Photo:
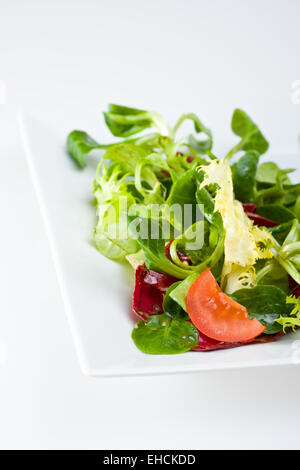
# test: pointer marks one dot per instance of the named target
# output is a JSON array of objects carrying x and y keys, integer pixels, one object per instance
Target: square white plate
[{"x": 96, "y": 291}]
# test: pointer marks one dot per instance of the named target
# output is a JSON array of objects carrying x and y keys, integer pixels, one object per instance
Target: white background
[{"x": 171, "y": 56}]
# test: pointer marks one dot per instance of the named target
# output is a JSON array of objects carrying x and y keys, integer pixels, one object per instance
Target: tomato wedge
[{"x": 217, "y": 315}]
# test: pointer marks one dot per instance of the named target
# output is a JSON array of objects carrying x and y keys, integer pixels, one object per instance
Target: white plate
[{"x": 96, "y": 291}]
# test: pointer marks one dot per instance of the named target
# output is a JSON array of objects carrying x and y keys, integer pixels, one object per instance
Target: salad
[{"x": 214, "y": 241}]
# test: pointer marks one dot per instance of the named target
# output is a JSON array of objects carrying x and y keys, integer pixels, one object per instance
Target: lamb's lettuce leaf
[
  {"x": 79, "y": 143},
  {"x": 276, "y": 212},
  {"x": 275, "y": 187},
  {"x": 251, "y": 137},
  {"x": 280, "y": 232},
  {"x": 179, "y": 293},
  {"x": 244, "y": 177},
  {"x": 161, "y": 334},
  {"x": 271, "y": 273},
  {"x": 296, "y": 208},
  {"x": 266, "y": 304},
  {"x": 184, "y": 189},
  {"x": 143, "y": 228},
  {"x": 268, "y": 173},
  {"x": 203, "y": 145},
  {"x": 123, "y": 121},
  {"x": 288, "y": 254},
  {"x": 172, "y": 308}
]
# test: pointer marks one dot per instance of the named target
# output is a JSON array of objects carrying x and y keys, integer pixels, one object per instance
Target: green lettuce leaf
[
  {"x": 251, "y": 137},
  {"x": 126, "y": 155},
  {"x": 276, "y": 212},
  {"x": 164, "y": 335},
  {"x": 288, "y": 254},
  {"x": 113, "y": 197},
  {"x": 123, "y": 121},
  {"x": 171, "y": 307},
  {"x": 79, "y": 144},
  {"x": 201, "y": 146},
  {"x": 244, "y": 177},
  {"x": 266, "y": 304},
  {"x": 179, "y": 293},
  {"x": 268, "y": 173}
]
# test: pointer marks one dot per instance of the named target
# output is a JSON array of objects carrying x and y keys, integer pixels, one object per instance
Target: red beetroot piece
[{"x": 150, "y": 287}]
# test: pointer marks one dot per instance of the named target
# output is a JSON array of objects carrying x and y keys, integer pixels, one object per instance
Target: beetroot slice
[
  {"x": 209, "y": 344},
  {"x": 250, "y": 207},
  {"x": 261, "y": 221},
  {"x": 294, "y": 287},
  {"x": 148, "y": 295},
  {"x": 258, "y": 220}
]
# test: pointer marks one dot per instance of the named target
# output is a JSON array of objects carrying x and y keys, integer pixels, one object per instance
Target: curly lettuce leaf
[
  {"x": 126, "y": 155},
  {"x": 244, "y": 243},
  {"x": 293, "y": 321},
  {"x": 113, "y": 197}
]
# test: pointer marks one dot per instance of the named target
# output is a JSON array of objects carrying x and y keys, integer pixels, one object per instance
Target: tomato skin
[{"x": 218, "y": 316}]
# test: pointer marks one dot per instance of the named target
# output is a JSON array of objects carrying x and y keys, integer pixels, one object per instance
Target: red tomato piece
[{"x": 218, "y": 316}]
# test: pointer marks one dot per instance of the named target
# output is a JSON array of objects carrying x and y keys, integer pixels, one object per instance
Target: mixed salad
[{"x": 214, "y": 242}]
